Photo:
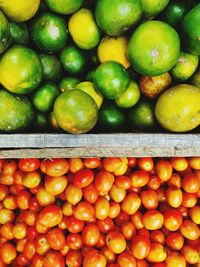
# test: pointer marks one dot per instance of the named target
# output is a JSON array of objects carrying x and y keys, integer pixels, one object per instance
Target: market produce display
[
  {"x": 100, "y": 66},
  {"x": 93, "y": 212}
]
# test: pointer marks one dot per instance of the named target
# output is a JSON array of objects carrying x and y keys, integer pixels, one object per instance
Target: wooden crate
[{"x": 98, "y": 145}]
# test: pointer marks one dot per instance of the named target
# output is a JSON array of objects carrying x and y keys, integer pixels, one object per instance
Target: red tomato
[
  {"x": 50, "y": 216},
  {"x": 32, "y": 233},
  {"x": 137, "y": 220},
  {"x": 175, "y": 241},
  {"x": 102, "y": 208},
  {"x": 175, "y": 259},
  {"x": 4, "y": 191},
  {"x": 190, "y": 230},
  {"x": 190, "y": 183},
  {"x": 140, "y": 246},
  {"x": 116, "y": 242},
  {"x": 110, "y": 256},
  {"x": 29, "y": 249},
  {"x": 128, "y": 230},
  {"x": 56, "y": 239},
  {"x": 163, "y": 169},
  {"x": 90, "y": 235},
  {"x": 8, "y": 253},
  {"x": 6, "y": 231},
  {"x": 92, "y": 163},
  {"x": 154, "y": 182},
  {"x": 157, "y": 253},
  {"x": 83, "y": 178},
  {"x": 74, "y": 225},
  {"x": 131, "y": 203},
  {"x": 29, "y": 165},
  {"x": 41, "y": 244},
  {"x": 75, "y": 165},
  {"x": 157, "y": 236},
  {"x": 90, "y": 193},
  {"x": 101, "y": 242},
  {"x": 84, "y": 211},
  {"x": 132, "y": 162},
  {"x": 139, "y": 178},
  {"x": 38, "y": 260},
  {"x": 123, "y": 182},
  {"x": 174, "y": 181},
  {"x": 149, "y": 199},
  {"x": 22, "y": 199},
  {"x": 153, "y": 220},
  {"x": 125, "y": 259},
  {"x": 103, "y": 181},
  {"x": 172, "y": 219},
  {"x": 146, "y": 164},
  {"x": 190, "y": 254},
  {"x": 9, "y": 167},
  {"x": 106, "y": 225},
  {"x": 54, "y": 167},
  {"x": 54, "y": 259},
  {"x": 74, "y": 241},
  {"x": 174, "y": 197},
  {"x": 74, "y": 258},
  {"x": 144, "y": 231},
  {"x": 94, "y": 258},
  {"x": 141, "y": 263}
]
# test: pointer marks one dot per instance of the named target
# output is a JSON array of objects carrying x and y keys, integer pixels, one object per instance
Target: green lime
[
  {"x": 196, "y": 78},
  {"x": 64, "y": 7},
  {"x": 49, "y": 32},
  {"x": 151, "y": 8},
  {"x": 142, "y": 116},
  {"x": 73, "y": 60},
  {"x": 21, "y": 70},
  {"x": 111, "y": 79},
  {"x": 41, "y": 121},
  {"x": 19, "y": 33},
  {"x": 130, "y": 97},
  {"x": 16, "y": 112},
  {"x": 52, "y": 68},
  {"x": 4, "y": 33},
  {"x": 116, "y": 16},
  {"x": 175, "y": 11},
  {"x": 91, "y": 75},
  {"x": 190, "y": 31},
  {"x": 111, "y": 117},
  {"x": 44, "y": 97},
  {"x": 154, "y": 48},
  {"x": 76, "y": 111},
  {"x": 185, "y": 67},
  {"x": 68, "y": 83}
]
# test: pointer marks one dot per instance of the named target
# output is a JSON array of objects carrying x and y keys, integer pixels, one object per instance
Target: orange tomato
[
  {"x": 31, "y": 179},
  {"x": 190, "y": 183},
  {"x": 125, "y": 259},
  {"x": 20, "y": 230},
  {"x": 174, "y": 181},
  {"x": 132, "y": 162},
  {"x": 41, "y": 244},
  {"x": 163, "y": 169},
  {"x": 4, "y": 191},
  {"x": 9, "y": 167},
  {"x": 84, "y": 211},
  {"x": 56, "y": 239},
  {"x": 50, "y": 216},
  {"x": 110, "y": 256},
  {"x": 190, "y": 230},
  {"x": 73, "y": 194},
  {"x": 6, "y": 231},
  {"x": 194, "y": 163},
  {"x": 175, "y": 259},
  {"x": 94, "y": 258},
  {"x": 140, "y": 246},
  {"x": 189, "y": 200},
  {"x": 131, "y": 203},
  {"x": 114, "y": 209},
  {"x": 74, "y": 258},
  {"x": 83, "y": 178},
  {"x": 54, "y": 167},
  {"x": 90, "y": 235},
  {"x": 172, "y": 219},
  {"x": 157, "y": 253},
  {"x": 74, "y": 225},
  {"x": 139, "y": 178},
  {"x": 117, "y": 194},
  {"x": 179, "y": 163},
  {"x": 190, "y": 254},
  {"x": 161, "y": 192},
  {"x": 92, "y": 163},
  {"x": 29, "y": 165},
  {"x": 141, "y": 263},
  {"x": 123, "y": 182},
  {"x": 154, "y": 182},
  {"x": 153, "y": 220},
  {"x": 103, "y": 181},
  {"x": 90, "y": 193},
  {"x": 44, "y": 198},
  {"x": 149, "y": 199},
  {"x": 9, "y": 202},
  {"x": 102, "y": 241},
  {"x": 6, "y": 216},
  {"x": 111, "y": 164},
  {"x": 128, "y": 230},
  {"x": 174, "y": 197},
  {"x": 38, "y": 260},
  {"x": 175, "y": 241},
  {"x": 157, "y": 236},
  {"x": 29, "y": 249},
  {"x": 102, "y": 208},
  {"x": 116, "y": 242},
  {"x": 67, "y": 209},
  {"x": 8, "y": 253},
  {"x": 123, "y": 167},
  {"x": 137, "y": 220},
  {"x": 146, "y": 164},
  {"x": 55, "y": 185},
  {"x": 74, "y": 241},
  {"x": 22, "y": 199},
  {"x": 195, "y": 214},
  {"x": 54, "y": 259},
  {"x": 106, "y": 225},
  {"x": 75, "y": 165}
]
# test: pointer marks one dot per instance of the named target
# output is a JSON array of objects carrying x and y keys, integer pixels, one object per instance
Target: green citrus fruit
[
  {"x": 175, "y": 11},
  {"x": 76, "y": 111},
  {"x": 178, "y": 108},
  {"x": 196, "y": 78},
  {"x": 116, "y": 16},
  {"x": 64, "y": 7},
  {"x": 73, "y": 60},
  {"x": 19, "y": 33},
  {"x": 111, "y": 117},
  {"x": 190, "y": 31},
  {"x": 111, "y": 79},
  {"x": 88, "y": 87},
  {"x": 52, "y": 68},
  {"x": 21, "y": 70},
  {"x": 41, "y": 121},
  {"x": 16, "y": 112},
  {"x": 44, "y": 97},
  {"x": 49, "y": 32},
  {"x": 90, "y": 75},
  {"x": 68, "y": 83},
  {"x": 83, "y": 29},
  {"x": 151, "y": 8},
  {"x": 53, "y": 123},
  {"x": 154, "y": 48},
  {"x": 185, "y": 67},
  {"x": 142, "y": 116},
  {"x": 130, "y": 97},
  {"x": 4, "y": 33}
]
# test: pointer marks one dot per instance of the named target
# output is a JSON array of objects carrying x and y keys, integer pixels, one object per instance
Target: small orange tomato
[
  {"x": 116, "y": 242},
  {"x": 56, "y": 239},
  {"x": 139, "y": 178},
  {"x": 83, "y": 178},
  {"x": 67, "y": 209},
  {"x": 38, "y": 260},
  {"x": 153, "y": 220},
  {"x": 6, "y": 231},
  {"x": 175, "y": 259},
  {"x": 84, "y": 211},
  {"x": 20, "y": 245},
  {"x": 110, "y": 256},
  {"x": 114, "y": 209},
  {"x": 131, "y": 203},
  {"x": 146, "y": 164},
  {"x": 149, "y": 199},
  {"x": 194, "y": 163},
  {"x": 161, "y": 192},
  {"x": 30, "y": 217},
  {"x": 175, "y": 241},
  {"x": 174, "y": 181},
  {"x": 90, "y": 235},
  {"x": 9, "y": 167},
  {"x": 74, "y": 241},
  {"x": 103, "y": 181},
  {"x": 144, "y": 231},
  {"x": 4, "y": 191},
  {"x": 20, "y": 230},
  {"x": 92, "y": 163},
  {"x": 54, "y": 259},
  {"x": 126, "y": 259},
  {"x": 174, "y": 197},
  {"x": 172, "y": 219},
  {"x": 22, "y": 199},
  {"x": 9, "y": 202},
  {"x": 73, "y": 194},
  {"x": 102, "y": 208},
  {"x": 141, "y": 263},
  {"x": 29, "y": 249},
  {"x": 117, "y": 194},
  {"x": 7, "y": 179},
  {"x": 102, "y": 241},
  {"x": 44, "y": 198},
  {"x": 40, "y": 228},
  {"x": 106, "y": 225},
  {"x": 195, "y": 214},
  {"x": 189, "y": 200},
  {"x": 111, "y": 164},
  {"x": 8, "y": 253},
  {"x": 41, "y": 244},
  {"x": 90, "y": 193},
  {"x": 190, "y": 183},
  {"x": 94, "y": 258},
  {"x": 184, "y": 211},
  {"x": 154, "y": 182},
  {"x": 190, "y": 254},
  {"x": 123, "y": 182},
  {"x": 31, "y": 179},
  {"x": 74, "y": 225},
  {"x": 179, "y": 163},
  {"x": 55, "y": 185},
  {"x": 74, "y": 258},
  {"x": 137, "y": 220},
  {"x": 157, "y": 253},
  {"x": 128, "y": 230},
  {"x": 157, "y": 236},
  {"x": 190, "y": 230},
  {"x": 50, "y": 216},
  {"x": 6, "y": 216},
  {"x": 123, "y": 167},
  {"x": 29, "y": 165},
  {"x": 75, "y": 165},
  {"x": 163, "y": 169},
  {"x": 54, "y": 167},
  {"x": 140, "y": 246}
]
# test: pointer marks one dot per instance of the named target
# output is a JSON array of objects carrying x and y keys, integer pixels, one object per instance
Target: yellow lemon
[
  {"x": 114, "y": 49},
  {"x": 83, "y": 29},
  {"x": 19, "y": 10}
]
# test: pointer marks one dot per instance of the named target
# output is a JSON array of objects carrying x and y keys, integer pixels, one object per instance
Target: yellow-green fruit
[
  {"x": 114, "y": 49},
  {"x": 88, "y": 87},
  {"x": 130, "y": 97},
  {"x": 19, "y": 10},
  {"x": 178, "y": 108},
  {"x": 83, "y": 29},
  {"x": 196, "y": 78}
]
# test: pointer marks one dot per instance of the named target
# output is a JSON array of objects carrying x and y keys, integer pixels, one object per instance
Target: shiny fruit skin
[
  {"x": 131, "y": 203},
  {"x": 126, "y": 259},
  {"x": 116, "y": 242},
  {"x": 94, "y": 259},
  {"x": 90, "y": 235},
  {"x": 140, "y": 246},
  {"x": 139, "y": 178},
  {"x": 83, "y": 178},
  {"x": 175, "y": 259},
  {"x": 153, "y": 220},
  {"x": 149, "y": 199},
  {"x": 190, "y": 230}
]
